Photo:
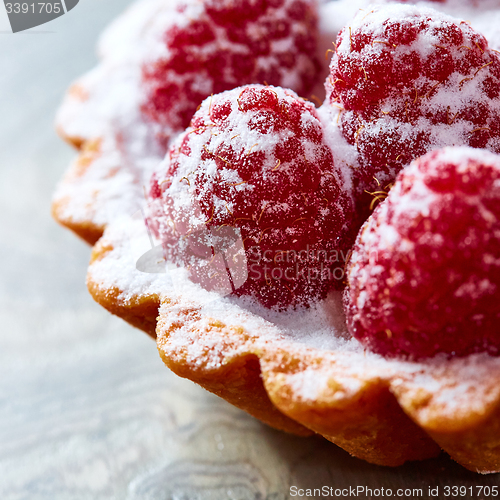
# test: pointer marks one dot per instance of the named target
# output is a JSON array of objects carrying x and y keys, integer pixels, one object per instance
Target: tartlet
[{"x": 298, "y": 370}]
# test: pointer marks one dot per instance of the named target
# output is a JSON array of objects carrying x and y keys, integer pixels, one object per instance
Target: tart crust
[
  {"x": 63, "y": 210},
  {"x": 369, "y": 424}
]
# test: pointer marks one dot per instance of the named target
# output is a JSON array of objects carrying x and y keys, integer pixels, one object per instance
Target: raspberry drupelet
[
  {"x": 407, "y": 80},
  {"x": 217, "y": 45},
  {"x": 424, "y": 277},
  {"x": 254, "y": 159}
]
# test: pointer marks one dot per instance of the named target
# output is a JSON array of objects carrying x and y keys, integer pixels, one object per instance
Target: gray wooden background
[{"x": 87, "y": 409}]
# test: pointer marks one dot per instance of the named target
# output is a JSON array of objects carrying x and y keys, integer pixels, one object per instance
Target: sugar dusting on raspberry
[
  {"x": 254, "y": 158},
  {"x": 408, "y": 79},
  {"x": 216, "y": 45},
  {"x": 425, "y": 271}
]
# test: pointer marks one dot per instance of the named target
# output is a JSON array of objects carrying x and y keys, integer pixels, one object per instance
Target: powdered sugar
[{"x": 483, "y": 15}]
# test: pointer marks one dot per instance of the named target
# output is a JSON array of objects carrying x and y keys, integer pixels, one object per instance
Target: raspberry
[
  {"x": 216, "y": 45},
  {"x": 425, "y": 271},
  {"x": 254, "y": 159},
  {"x": 408, "y": 80}
]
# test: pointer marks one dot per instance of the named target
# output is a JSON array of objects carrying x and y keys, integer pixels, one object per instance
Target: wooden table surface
[{"x": 87, "y": 409}]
